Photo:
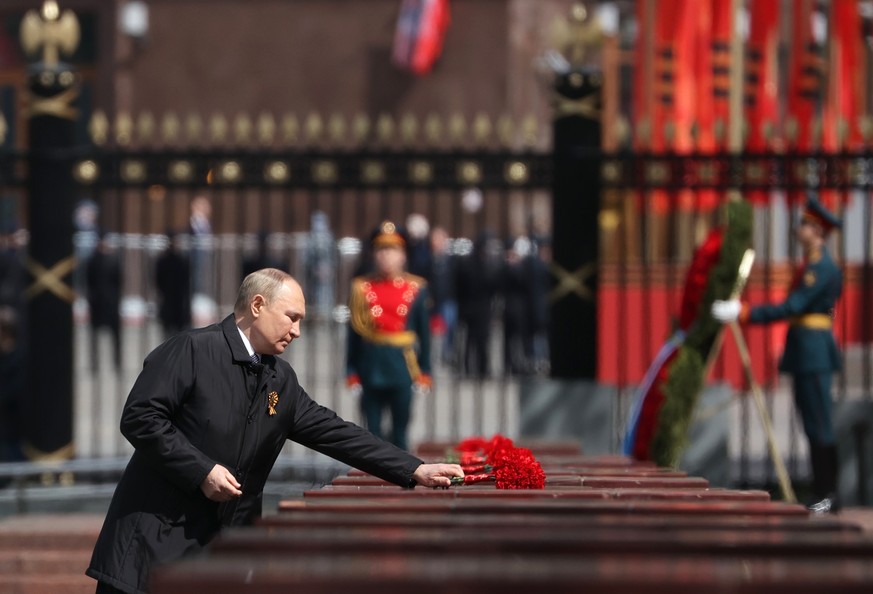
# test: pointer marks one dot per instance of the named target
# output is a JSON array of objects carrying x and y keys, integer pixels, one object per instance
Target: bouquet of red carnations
[{"x": 500, "y": 461}]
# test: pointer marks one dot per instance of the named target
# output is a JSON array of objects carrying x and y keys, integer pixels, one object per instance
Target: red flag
[
  {"x": 720, "y": 59},
  {"x": 761, "y": 78},
  {"x": 845, "y": 92},
  {"x": 712, "y": 59},
  {"x": 675, "y": 87},
  {"x": 845, "y": 101},
  {"x": 804, "y": 76},
  {"x": 421, "y": 29}
]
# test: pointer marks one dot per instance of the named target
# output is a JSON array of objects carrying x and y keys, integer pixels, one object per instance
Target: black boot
[{"x": 824, "y": 478}]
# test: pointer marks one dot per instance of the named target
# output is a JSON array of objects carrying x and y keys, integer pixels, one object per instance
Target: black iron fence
[{"x": 234, "y": 202}]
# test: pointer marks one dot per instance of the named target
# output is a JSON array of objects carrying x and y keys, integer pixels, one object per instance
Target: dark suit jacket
[{"x": 198, "y": 402}]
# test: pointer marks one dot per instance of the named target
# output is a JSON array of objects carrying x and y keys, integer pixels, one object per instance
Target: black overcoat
[{"x": 199, "y": 401}]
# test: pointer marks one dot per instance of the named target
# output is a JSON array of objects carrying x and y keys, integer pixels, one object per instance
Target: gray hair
[{"x": 266, "y": 282}]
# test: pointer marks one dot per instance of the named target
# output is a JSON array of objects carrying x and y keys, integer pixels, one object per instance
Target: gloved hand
[
  {"x": 353, "y": 383},
  {"x": 423, "y": 384},
  {"x": 726, "y": 311}
]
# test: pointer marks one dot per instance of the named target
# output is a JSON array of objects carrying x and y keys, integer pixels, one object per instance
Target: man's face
[
  {"x": 277, "y": 322},
  {"x": 808, "y": 232},
  {"x": 389, "y": 260}
]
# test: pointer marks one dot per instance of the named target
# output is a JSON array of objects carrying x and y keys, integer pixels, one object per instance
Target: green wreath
[{"x": 685, "y": 378}]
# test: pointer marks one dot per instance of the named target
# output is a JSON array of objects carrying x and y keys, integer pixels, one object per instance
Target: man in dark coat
[
  {"x": 104, "y": 276},
  {"x": 811, "y": 355},
  {"x": 173, "y": 282},
  {"x": 208, "y": 420}
]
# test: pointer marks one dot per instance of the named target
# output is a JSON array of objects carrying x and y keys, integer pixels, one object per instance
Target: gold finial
[
  {"x": 574, "y": 36},
  {"x": 145, "y": 126},
  {"x": 719, "y": 129},
  {"x": 408, "y": 128},
  {"x": 336, "y": 128},
  {"x": 290, "y": 129},
  {"x": 313, "y": 127},
  {"x": 481, "y": 128},
  {"x": 193, "y": 128},
  {"x": 170, "y": 128},
  {"x": 218, "y": 128},
  {"x": 505, "y": 130},
  {"x": 98, "y": 128},
  {"x": 694, "y": 132},
  {"x": 50, "y": 29},
  {"x": 792, "y": 129},
  {"x": 865, "y": 126},
  {"x": 123, "y": 129},
  {"x": 669, "y": 132},
  {"x": 644, "y": 132},
  {"x": 384, "y": 127},
  {"x": 266, "y": 126},
  {"x": 768, "y": 131},
  {"x": 842, "y": 131},
  {"x": 530, "y": 130},
  {"x": 457, "y": 128},
  {"x": 360, "y": 127},
  {"x": 815, "y": 131},
  {"x": 242, "y": 128},
  {"x": 622, "y": 130},
  {"x": 433, "y": 128}
]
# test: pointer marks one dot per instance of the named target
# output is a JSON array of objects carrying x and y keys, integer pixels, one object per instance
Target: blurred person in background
[
  {"x": 321, "y": 262},
  {"x": 13, "y": 273},
  {"x": 388, "y": 347},
  {"x": 12, "y": 382},
  {"x": 200, "y": 228},
  {"x": 260, "y": 258},
  {"x": 517, "y": 307},
  {"x": 539, "y": 285},
  {"x": 173, "y": 282},
  {"x": 104, "y": 279},
  {"x": 444, "y": 316},
  {"x": 477, "y": 284},
  {"x": 419, "y": 255}
]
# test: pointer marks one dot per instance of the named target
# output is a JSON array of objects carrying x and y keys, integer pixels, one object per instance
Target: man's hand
[
  {"x": 220, "y": 484},
  {"x": 436, "y": 475},
  {"x": 726, "y": 311}
]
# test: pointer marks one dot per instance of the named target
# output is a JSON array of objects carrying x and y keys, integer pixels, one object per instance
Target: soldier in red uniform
[{"x": 389, "y": 335}]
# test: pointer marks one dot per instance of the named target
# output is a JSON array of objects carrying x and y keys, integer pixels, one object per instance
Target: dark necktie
[{"x": 256, "y": 359}]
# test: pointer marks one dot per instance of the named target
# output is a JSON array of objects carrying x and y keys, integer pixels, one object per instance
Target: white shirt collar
[{"x": 246, "y": 342}]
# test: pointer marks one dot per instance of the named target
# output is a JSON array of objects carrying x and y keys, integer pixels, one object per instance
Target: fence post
[
  {"x": 47, "y": 426},
  {"x": 575, "y": 208}
]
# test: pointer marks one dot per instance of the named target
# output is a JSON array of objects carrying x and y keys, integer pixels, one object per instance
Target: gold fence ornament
[
  {"x": 170, "y": 128},
  {"x": 290, "y": 129},
  {"x": 266, "y": 129},
  {"x": 243, "y": 129},
  {"x": 52, "y": 30},
  {"x": 433, "y": 128},
  {"x": 58, "y": 106},
  {"x": 51, "y": 279},
  {"x": 572, "y": 282}
]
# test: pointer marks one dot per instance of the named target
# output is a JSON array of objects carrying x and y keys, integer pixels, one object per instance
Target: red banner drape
[{"x": 761, "y": 88}]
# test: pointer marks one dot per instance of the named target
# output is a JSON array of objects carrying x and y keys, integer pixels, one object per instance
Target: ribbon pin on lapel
[{"x": 272, "y": 401}]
